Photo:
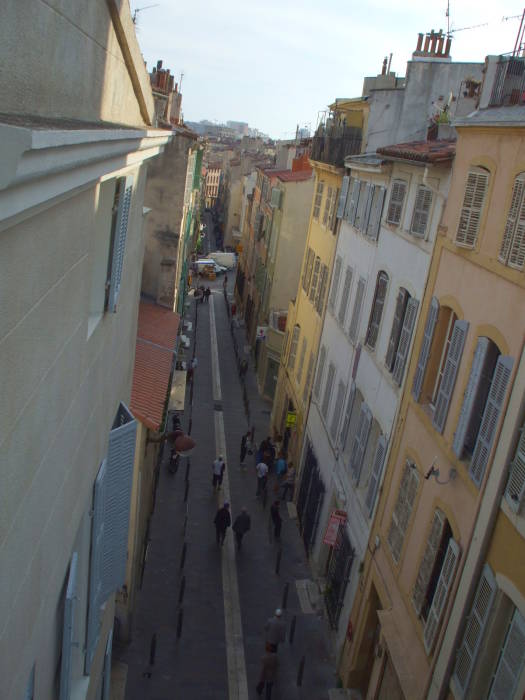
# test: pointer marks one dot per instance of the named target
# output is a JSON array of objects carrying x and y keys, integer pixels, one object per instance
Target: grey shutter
[
  {"x": 320, "y": 371},
  {"x": 427, "y": 562},
  {"x": 308, "y": 267},
  {"x": 335, "y": 283},
  {"x": 348, "y": 413},
  {"x": 470, "y": 216},
  {"x": 511, "y": 661},
  {"x": 363, "y": 226},
  {"x": 343, "y": 304},
  {"x": 439, "y": 601},
  {"x": 448, "y": 380},
  {"x": 424, "y": 352},
  {"x": 315, "y": 280},
  {"x": 95, "y": 567},
  {"x": 321, "y": 292},
  {"x": 403, "y": 509},
  {"x": 106, "y": 678},
  {"x": 377, "y": 310},
  {"x": 421, "y": 211},
  {"x": 301, "y": 362},
  {"x": 490, "y": 420},
  {"x": 397, "y": 324},
  {"x": 474, "y": 630},
  {"x": 119, "y": 242},
  {"x": 404, "y": 341},
  {"x": 342, "y": 197},
  {"x": 375, "y": 476},
  {"x": 353, "y": 201},
  {"x": 364, "y": 193},
  {"x": 515, "y": 221},
  {"x": 517, "y": 249},
  {"x": 293, "y": 347},
  {"x": 360, "y": 441},
  {"x": 395, "y": 205},
  {"x": 374, "y": 222},
  {"x": 356, "y": 314},
  {"x": 68, "y": 630},
  {"x": 327, "y": 205},
  {"x": 328, "y": 390},
  {"x": 336, "y": 416},
  {"x": 515, "y": 491},
  {"x": 308, "y": 377}
]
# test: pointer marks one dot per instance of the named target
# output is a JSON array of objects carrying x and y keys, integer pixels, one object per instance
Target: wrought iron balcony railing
[
  {"x": 331, "y": 144},
  {"x": 509, "y": 82}
]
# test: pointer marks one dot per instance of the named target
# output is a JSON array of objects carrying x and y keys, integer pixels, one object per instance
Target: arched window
[{"x": 512, "y": 251}]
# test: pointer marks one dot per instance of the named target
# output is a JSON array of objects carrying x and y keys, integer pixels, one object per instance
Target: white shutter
[
  {"x": 360, "y": 441},
  {"x": 424, "y": 352},
  {"x": 403, "y": 509},
  {"x": 355, "y": 187},
  {"x": 315, "y": 280},
  {"x": 356, "y": 314},
  {"x": 490, "y": 420},
  {"x": 517, "y": 249},
  {"x": 301, "y": 362},
  {"x": 335, "y": 283},
  {"x": 336, "y": 416},
  {"x": 320, "y": 371},
  {"x": 470, "y": 216},
  {"x": 68, "y": 630},
  {"x": 404, "y": 340},
  {"x": 439, "y": 601},
  {"x": 106, "y": 678},
  {"x": 342, "y": 197},
  {"x": 374, "y": 222},
  {"x": 119, "y": 242},
  {"x": 421, "y": 211},
  {"x": 397, "y": 324},
  {"x": 308, "y": 377},
  {"x": 474, "y": 630},
  {"x": 293, "y": 347},
  {"x": 328, "y": 390},
  {"x": 515, "y": 491},
  {"x": 512, "y": 218},
  {"x": 327, "y": 205},
  {"x": 427, "y": 562},
  {"x": 348, "y": 413},
  {"x": 375, "y": 476},
  {"x": 511, "y": 661},
  {"x": 395, "y": 205},
  {"x": 345, "y": 296},
  {"x": 448, "y": 380}
]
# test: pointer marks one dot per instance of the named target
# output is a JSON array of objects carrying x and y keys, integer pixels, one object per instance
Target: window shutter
[
  {"x": 315, "y": 280},
  {"x": 421, "y": 211},
  {"x": 427, "y": 562},
  {"x": 377, "y": 310},
  {"x": 515, "y": 491},
  {"x": 308, "y": 270},
  {"x": 275, "y": 201},
  {"x": 328, "y": 390},
  {"x": 356, "y": 314},
  {"x": 403, "y": 509},
  {"x": 445, "y": 581},
  {"x": 327, "y": 205},
  {"x": 354, "y": 201},
  {"x": 490, "y": 420},
  {"x": 106, "y": 678},
  {"x": 370, "y": 189},
  {"x": 318, "y": 199},
  {"x": 308, "y": 377},
  {"x": 320, "y": 371},
  {"x": 516, "y": 213},
  {"x": 342, "y": 197},
  {"x": 397, "y": 324},
  {"x": 321, "y": 292},
  {"x": 360, "y": 440},
  {"x": 474, "y": 630},
  {"x": 424, "y": 352},
  {"x": 395, "y": 206},
  {"x": 470, "y": 217},
  {"x": 337, "y": 410},
  {"x": 457, "y": 343},
  {"x": 364, "y": 194},
  {"x": 293, "y": 348},
  {"x": 348, "y": 413},
  {"x": 119, "y": 242},
  {"x": 375, "y": 476},
  {"x": 511, "y": 661},
  {"x": 343, "y": 305},
  {"x": 404, "y": 341},
  {"x": 374, "y": 222},
  {"x": 68, "y": 630},
  {"x": 517, "y": 249},
  {"x": 301, "y": 362},
  {"x": 335, "y": 283},
  {"x": 95, "y": 567},
  {"x": 333, "y": 210}
]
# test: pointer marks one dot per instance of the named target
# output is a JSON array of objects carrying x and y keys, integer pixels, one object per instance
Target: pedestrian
[
  {"x": 275, "y": 631},
  {"x": 268, "y": 452},
  {"x": 222, "y": 522},
  {"x": 207, "y": 293},
  {"x": 289, "y": 481},
  {"x": 268, "y": 675},
  {"x": 218, "y": 468},
  {"x": 241, "y": 525},
  {"x": 243, "y": 368},
  {"x": 280, "y": 466},
  {"x": 276, "y": 519},
  {"x": 225, "y": 283},
  {"x": 262, "y": 477},
  {"x": 203, "y": 293},
  {"x": 245, "y": 447}
]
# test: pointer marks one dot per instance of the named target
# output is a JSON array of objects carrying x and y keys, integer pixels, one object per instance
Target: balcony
[
  {"x": 509, "y": 82},
  {"x": 333, "y": 142}
]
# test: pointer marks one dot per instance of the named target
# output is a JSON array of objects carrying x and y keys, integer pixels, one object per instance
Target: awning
[{"x": 178, "y": 391}]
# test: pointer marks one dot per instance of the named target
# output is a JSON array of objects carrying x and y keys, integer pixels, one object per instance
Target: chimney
[
  {"x": 427, "y": 41},
  {"x": 447, "y": 45},
  {"x": 419, "y": 41},
  {"x": 159, "y": 65},
  {"x": 441, "y": 40},
  {"x": 383, "y": 69},
  {"x": 433, "y": 39}
]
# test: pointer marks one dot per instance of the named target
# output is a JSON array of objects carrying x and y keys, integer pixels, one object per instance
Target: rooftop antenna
[
  {"x": 180, "y": 82},
  {"x": 518, "y": 46},
  {"x": 139, "y": 9},
  {"x": 447, "y": 15}
]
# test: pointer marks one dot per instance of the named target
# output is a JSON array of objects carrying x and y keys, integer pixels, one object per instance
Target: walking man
[
  {"x": 219, "y": 466},
  {"x": 267, "y": 677},
  {"x": 262, "y": 476},
  {"x": 276, "y": 519},
  {"x": 245, "y": 446},
  {"x": 241, "y": 525},
  {"x": 207, "y": 293},
  {"x": 275, "y": 631},
  {"x": 222, "y": 522}
]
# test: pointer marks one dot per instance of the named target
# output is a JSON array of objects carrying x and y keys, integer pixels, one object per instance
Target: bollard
[
  {"x": 179, "y": 623},
  {"x": 183, "y": 555},
  {"x": 181, "y": 589},
  {"x": 152, "y": 650},
  {"x": 278, "y": 560},
  {"x": 186, "y": 491},
  {"x": 187, "y": 470},
  {"x": 292, "y": 629},
  {"x": 285, "y": 595},
  {"x": 300, "y": 672}
]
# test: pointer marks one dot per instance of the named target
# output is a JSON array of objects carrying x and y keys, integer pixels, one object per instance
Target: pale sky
[{"x": 278, "y": 63}]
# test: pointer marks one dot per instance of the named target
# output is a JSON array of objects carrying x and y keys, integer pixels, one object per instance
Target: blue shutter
[
  {"x": 363, "y": 224},
  {"x": 68, "y": 630},
  {"x": 342, "y": 197},
  {"x": 490, "y": 420},
  {"x": 425, "y": 348},
  {"x": 404, "y": 340},
  {"x": 353, "y": 201},
  {"x": 375, "y": 476},
  {"x": 374, "y": 222},
  {"x": 119, "y": 242},
  {"x": 360, "y": 441},
  {"x": 106, "y": 679},
  {"x": 448, "y": 380}
]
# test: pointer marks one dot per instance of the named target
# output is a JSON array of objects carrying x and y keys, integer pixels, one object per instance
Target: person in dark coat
[
  {"x": 207, "y": 293},
  {"x": 268, "y": 675},
  {"x": 276, "y": 519},
  {"x": 245, "y": 446},
  {"x": 222, "y": 522},
  {"x": 241, "y": 525}
]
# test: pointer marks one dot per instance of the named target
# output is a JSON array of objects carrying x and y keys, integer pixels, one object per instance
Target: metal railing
[
  {"x": 509, "y": 82},
  {"x": 332, "y": 144}
]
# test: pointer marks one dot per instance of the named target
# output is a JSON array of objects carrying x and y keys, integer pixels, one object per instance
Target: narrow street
[{"x": 218, "y": 599}]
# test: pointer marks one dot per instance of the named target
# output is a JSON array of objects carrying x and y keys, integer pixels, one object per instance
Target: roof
[
  {"x": 295, "y": 175},
  {"x": 437, "y": 151},
  {"x": 156, "y": 334},
  {"x": 511, "y": 115}
]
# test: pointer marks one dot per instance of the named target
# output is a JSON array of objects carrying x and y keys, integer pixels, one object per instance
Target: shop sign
[
  {"x": 261, "y": 332},
  {"x": 337, "y": 518},
  {"x": 291, "y": 419}
]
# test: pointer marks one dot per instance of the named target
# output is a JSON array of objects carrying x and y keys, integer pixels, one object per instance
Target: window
[
  {"x": 515, "y": 491},
  {"x": 395, "y": 205},
  {"x": 328, "y": 205},
  {"x": 356, "y": 314},
  {"x": 332, "y": 219},
  {"x": 352, "y": 200},
  {"x": 377, "y": 198},
  {"x": 511, "y": 660},
  {"x": 308, "y": 268},
  {"x": 342, "y": 197},
  {"x": 472, "y": 208},
  {"x": 375, "y": 476},
  {"x": 318, "y": 199},
  {"x": 320, "y": 371},
  {"x": 401, "y": 303},
  {"x": 360, "y": 441},
  {"x": 363, "y": 206},
  {"x": 431, "y": 563},
  {"x": 315, "y": 280},
  {"x": 308, "y": 379},
  {"x": 401, "y": 334},
  {"x": 447, "y": 573},
  {"x": 377, "y": 310},
  {"x": 293, "y": 347},
  {"x": 445, "y": 379},
  {"x": 321, "y": 292},
  {"x": 424, "y": 352},
  {"x": 346, "y": 420},
  {"x": 421, "y": 211},
  {"x": 335, "y": 283},
  {"x": 337, "y": 410},
  {"x": 300, "y": 366},
  {"x": 403, "y": 509},
  {"x": 345, "y": 296},
  {"x": 512, "y": 250},
  {"x": 328, "y": 390}
]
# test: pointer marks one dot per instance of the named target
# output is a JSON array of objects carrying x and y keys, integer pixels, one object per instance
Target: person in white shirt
[
  {"x": 262, "y": 476},
  {"x": 218, "y": 466}
]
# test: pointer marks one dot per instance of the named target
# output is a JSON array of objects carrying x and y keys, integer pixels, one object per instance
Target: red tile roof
[
  {"x": 423, "y": 151},
  {"x": 295, "y": 176},
  {"x": 156, "y": 334}
]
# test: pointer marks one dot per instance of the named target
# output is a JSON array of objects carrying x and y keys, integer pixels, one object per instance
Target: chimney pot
[
  {"x": 433, "y": 40},
  {"x": 427, "y": 41},
  {"x": 441, "y": 40},
  {"x": 447, "y": 46},
  {"x": 419, "y": 41},
  {"x": 159, "y": 65},
  {"x": 383, "y": 69}
]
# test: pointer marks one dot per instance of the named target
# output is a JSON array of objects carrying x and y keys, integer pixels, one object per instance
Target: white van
[
  {"x": 201, "y": 264},
  {"x": 228, "y": 260}
]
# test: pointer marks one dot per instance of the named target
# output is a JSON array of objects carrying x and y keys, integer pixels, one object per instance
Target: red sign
[{"x": 337, "y": 518}]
